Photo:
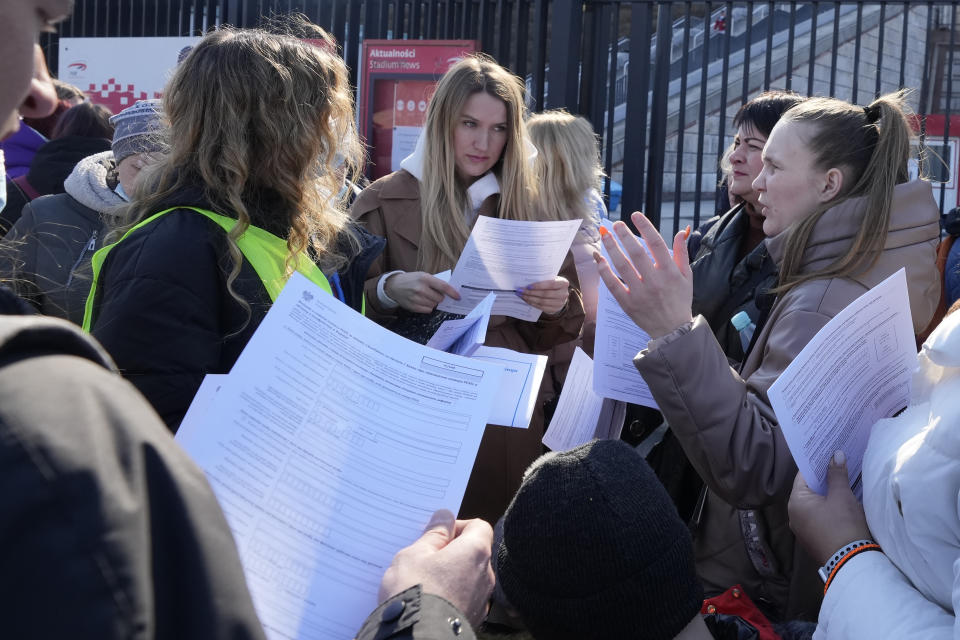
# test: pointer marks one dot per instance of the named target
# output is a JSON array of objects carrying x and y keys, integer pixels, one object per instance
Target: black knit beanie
[{"x": 593, "y": 548}]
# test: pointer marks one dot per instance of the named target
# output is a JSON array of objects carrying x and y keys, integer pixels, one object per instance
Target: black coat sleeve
[{"x": 414, "y": 615}]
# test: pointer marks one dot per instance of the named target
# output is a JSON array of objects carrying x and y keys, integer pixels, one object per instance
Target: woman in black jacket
[{"x": 245, "y": 195}]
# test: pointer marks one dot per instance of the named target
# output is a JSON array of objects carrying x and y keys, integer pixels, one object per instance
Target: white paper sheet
[
  {"x": 329, "y": 446},
  {"x": 505, "y": 255},
  {"x": 196, "y": 415},
  {"x": 856, "y": 370},
  {"x": 618, "y": 340},
  {"x": 519, "y": 385},
  {"x": 578, "y": 410},
  {"x": 464, "y": 335}
]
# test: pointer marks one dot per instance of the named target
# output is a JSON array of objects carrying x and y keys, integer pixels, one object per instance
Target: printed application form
[
  {"x": 504, "y": 255},
  {"x": 618, "y": 340},
  {"x": 575, "y": 420},
  {"x": 516, "y": 399},
  {"x": 855, "y": 371},
  {"x": 465, "y": 335},
  {"x": 329, "y": 446}
]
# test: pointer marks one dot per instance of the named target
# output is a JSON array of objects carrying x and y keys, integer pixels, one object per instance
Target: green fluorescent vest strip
[{"x": 264, "y": 251}]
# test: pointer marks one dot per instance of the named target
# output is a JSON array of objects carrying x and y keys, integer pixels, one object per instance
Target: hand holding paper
[
  {"x": 824, "y": 524},
  {"x": 549, "y": 296},
  {"x": 418, "y": 291},
  {"x": 452, "y": 560},
  {"x": 504, "y": 256},
  {"x": 656, "y": 290}
]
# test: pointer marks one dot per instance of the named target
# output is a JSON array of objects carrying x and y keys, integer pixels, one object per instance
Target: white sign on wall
[{"x": 116, "y": 72}]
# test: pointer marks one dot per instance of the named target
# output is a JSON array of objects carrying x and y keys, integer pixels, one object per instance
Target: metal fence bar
[
  {"x": 608, "y": 131},
  {"x": 903, "y": 45},
  {"x": 883, "y": 21},
  {"x": 949, "y": 97},
  {"x": 836, "y": 45},
  {"x": 702, "y": 115},
  {"x": 768, "y": 58},
  {"x": 725, "y": 78},
  {"x": 791, "y": 33},
  {"x": 681, "y": 125},
  {"x": 811, "y": 64},
  {"x": 658, "y": 114},
  {"x": 747, "y": 51},
  {"x": 856, "y": 55},
  {"x": 635, "y": 136}
]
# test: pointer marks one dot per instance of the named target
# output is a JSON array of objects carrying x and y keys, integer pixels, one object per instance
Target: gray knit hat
[
  {"x": 593, "y": 548},
  {"x": 137, "y": 129}
]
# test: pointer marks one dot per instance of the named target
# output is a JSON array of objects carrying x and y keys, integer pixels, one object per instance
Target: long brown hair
[
  {"x": 251, "y": 114},
  {"x": 871, "y": 146},
  {"x": 443, "y": 194}
]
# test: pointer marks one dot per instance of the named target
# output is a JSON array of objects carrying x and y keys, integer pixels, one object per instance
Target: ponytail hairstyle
[
  {"x": 257, "y": 117},
  {"x": 443, "y": 194},
  {"x": 567, "y": 165},
  {"x": 870, "y": 145}
]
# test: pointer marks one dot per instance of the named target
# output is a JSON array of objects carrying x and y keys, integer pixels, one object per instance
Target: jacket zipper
[{"x": 91, "y": 245}]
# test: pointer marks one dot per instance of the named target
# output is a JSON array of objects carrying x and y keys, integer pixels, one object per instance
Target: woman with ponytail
[
  {"x": 840, "y": 216},
  {"x": 245, "y": 194}
]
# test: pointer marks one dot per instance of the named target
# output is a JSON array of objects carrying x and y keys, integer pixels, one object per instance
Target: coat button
[
  {"x": 393, "y": 610},
  {"x": 735, "y": 593},
  {"x": 711, "y": 609},
  {"x": 455, "y": 625}
]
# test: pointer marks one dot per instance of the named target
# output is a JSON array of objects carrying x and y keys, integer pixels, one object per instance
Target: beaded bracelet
[{"x": 857, "y": 548}]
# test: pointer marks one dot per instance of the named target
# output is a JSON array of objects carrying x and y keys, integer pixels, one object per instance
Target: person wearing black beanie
[{"x": 593, "y": 548}]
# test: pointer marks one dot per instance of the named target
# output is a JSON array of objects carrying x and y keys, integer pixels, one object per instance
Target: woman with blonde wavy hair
[
  {"x": 569, "y": 174},
  {"x": 244, "y": 196},
  {"x": 472, "y": 160}
]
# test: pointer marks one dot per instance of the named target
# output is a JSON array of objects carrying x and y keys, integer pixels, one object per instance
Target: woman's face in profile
[
  {"x": 789, "y": 185},
  {"x": 746, "y": 161},
  {"x": 479, "y": 135}
]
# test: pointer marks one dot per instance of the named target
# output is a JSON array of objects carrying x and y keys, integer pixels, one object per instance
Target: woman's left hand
[
  {"x": 656, "y": 293},
  {"x": 824, "y": 524},
  {"x": 550, "y": 296}
]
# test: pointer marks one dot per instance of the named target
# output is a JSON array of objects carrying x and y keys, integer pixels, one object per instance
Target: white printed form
[
  {"x": 329, "y": 446},
  {"x": 578, "y": 410},
  {"x": 855, "y": 371},
  {"x": 618, "y": 340},
  {"x": 464, "y": 335},
  {"x": 502, "y": 256},
  {"x": 516, "y": 399}
]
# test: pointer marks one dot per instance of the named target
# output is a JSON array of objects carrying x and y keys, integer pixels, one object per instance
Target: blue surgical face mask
[{"x": 3, "y": 184}]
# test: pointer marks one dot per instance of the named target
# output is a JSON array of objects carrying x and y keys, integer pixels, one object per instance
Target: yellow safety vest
[{"x": 264, "y": 251}]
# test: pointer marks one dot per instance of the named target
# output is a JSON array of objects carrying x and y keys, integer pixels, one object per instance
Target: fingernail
[
  {"x": 839, "y": 458},
  {"x": 604, "y": 232},
  {"x": 686, "y": 232},
  {"x": 519, "y": 292}
]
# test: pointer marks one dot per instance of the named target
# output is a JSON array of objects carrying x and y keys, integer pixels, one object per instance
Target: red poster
[{"x": 398, "y": 79}]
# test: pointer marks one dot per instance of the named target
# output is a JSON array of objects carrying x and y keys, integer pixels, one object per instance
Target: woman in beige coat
[
  {"x": 840, "y": 216},
  {"x": 471, "y": 161}
]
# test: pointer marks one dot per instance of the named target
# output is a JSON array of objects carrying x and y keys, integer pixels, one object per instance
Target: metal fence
[{"x": 660, "y": 81}]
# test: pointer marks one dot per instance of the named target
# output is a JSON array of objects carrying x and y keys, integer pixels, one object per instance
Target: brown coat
[
  {"x": 724, "y": 420},
  {"x": 390, "y": 207}
]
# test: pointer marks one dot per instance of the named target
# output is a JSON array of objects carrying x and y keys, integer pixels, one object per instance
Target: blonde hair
[
  {"x": 259, "y": 119},
  {"x": 443, "y": 194},
  {"x": 567, "y": 164},
  {"x": 871, "y": 146}
]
